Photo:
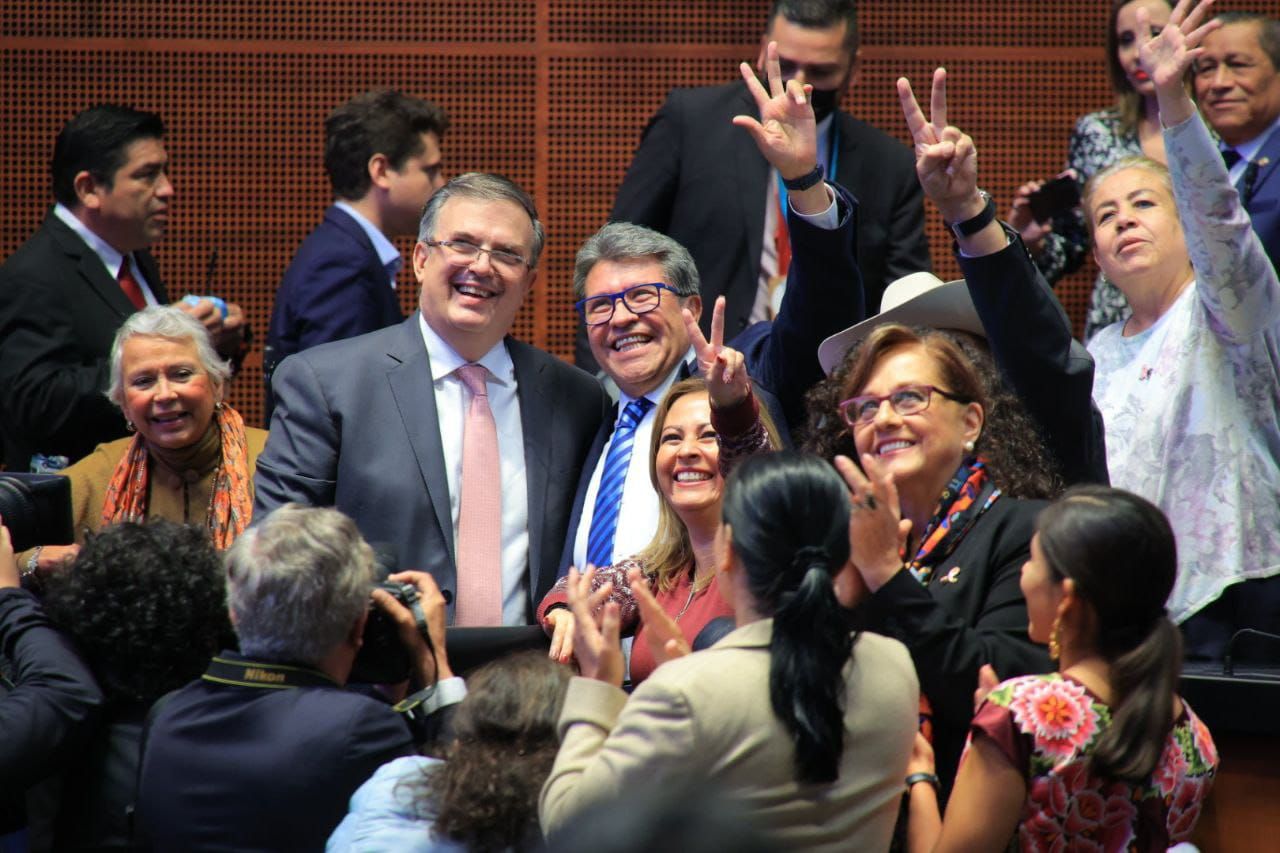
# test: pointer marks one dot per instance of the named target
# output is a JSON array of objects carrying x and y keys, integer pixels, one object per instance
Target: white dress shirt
[
  {"x": 386, "y": 251},
  {"x": 105, "y": 251},
  {"x": 638, "y": 514},
  {"x": 452, "y": 402}
]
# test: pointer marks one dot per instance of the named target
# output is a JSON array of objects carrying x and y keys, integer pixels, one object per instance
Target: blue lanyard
[{"x": 833, "y": 156}]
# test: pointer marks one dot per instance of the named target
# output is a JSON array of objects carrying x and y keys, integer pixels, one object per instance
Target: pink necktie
[{"x": 479, "y": 563}]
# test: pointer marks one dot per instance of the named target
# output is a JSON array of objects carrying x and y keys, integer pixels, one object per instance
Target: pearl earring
[{"x": 968, "y": 446}]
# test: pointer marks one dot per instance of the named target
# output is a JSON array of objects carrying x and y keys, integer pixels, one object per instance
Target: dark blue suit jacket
[
  {"x": 1263, "y": 203},
  {"x": 824, "y": 295},
  {"x": 335, "y": 288},
  {"x": 229, "y": 767}
]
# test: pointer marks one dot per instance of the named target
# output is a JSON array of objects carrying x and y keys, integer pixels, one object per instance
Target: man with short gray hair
[
  {"x": 265, "y": 750},
  {"x": 444, "y": 438}
]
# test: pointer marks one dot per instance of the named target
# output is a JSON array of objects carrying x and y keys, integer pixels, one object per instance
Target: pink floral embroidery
[
  {"x": 1059, "y": 715},
  {"x": 1184, "y": 810},
  {"x": 1071, "y": 807},
  {"x": 1171, "y": 769},
  {"x": 1204, "y": 742}
]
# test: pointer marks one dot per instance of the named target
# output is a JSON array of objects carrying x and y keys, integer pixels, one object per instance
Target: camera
[
  {"x": 36, "y": 508},
  {"x": 382, "y": 658}
]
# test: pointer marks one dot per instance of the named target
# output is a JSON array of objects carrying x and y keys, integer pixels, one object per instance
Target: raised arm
[
  {"x": 1027, "y": 330},
  {"x": 1236, "y": 281}
]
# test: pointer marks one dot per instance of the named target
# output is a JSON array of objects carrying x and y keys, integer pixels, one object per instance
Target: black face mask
[{"x": 824, "y": 102}]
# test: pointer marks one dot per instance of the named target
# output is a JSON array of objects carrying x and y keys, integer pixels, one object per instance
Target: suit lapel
[
  {"x": 753, "y": 186},
  {"x": 414, "y": 392},
  {"x": 1268, "y": 159},
  {"x": 536, "y": 414},
  {"x": 847, "y": 145},
  {"x": 90, "y": 268}
]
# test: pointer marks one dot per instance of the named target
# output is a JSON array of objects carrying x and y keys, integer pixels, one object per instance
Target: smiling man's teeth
[
  {"x": 890, "y": 446},
  {"x": 623, "y": 344},
  {"x": 471, "y": 290},
  {"x": 691, "y": 476}
]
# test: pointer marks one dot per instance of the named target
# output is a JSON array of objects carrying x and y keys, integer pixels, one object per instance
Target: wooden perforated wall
[{"x": 553, "y": 94}]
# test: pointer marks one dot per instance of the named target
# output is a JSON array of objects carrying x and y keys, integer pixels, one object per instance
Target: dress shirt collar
[
  {"x": 1249, "y": 150},
  {"x": 445, "y": 360},
  {"x": 387, "y": 253},
  {"x": 110, "y": 257},
  {"x": 655, "y": 396}
]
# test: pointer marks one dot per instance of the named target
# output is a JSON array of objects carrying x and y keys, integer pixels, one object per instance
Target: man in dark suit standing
[
  {"x": 264, "y": 751},
  {"x": 65, "y": 292},
  {"x": 1237, "y": 84},
  {"x": 402, "y": 428},
  {"x": 701, "y": 181},
  {"x": 382, "y": 154}
]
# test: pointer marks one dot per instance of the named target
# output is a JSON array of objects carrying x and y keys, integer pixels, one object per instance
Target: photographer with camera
[
  {"x": 265, "y": 749},
  {"x": 47, "y": 695}
]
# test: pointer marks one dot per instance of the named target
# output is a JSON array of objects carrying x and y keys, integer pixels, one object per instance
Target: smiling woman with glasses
[{"x": 941, "y": 523}]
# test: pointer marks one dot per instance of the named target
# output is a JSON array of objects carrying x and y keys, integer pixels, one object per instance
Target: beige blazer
[{"x": 708, "y": 716}]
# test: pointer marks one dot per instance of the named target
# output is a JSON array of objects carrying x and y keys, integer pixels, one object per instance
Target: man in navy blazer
[
  {"x": 382, "y": 154},
  {"x": 1237, "y": 84},
  {"x": 374, "y": 425},
  {"x": 264, "y": 751}
]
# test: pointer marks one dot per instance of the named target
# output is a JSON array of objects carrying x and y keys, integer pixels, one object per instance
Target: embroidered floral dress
[
  {"x": 1097, "y": 141},
  {"x": 1047, "y": 725}
]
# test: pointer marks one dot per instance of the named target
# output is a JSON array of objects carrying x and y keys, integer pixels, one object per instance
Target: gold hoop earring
[{"x": 1055, "y": 639}]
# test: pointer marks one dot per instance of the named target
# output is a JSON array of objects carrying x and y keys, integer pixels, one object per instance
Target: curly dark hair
[
  {"x": 145, "y": 605},
  {"x": 1010, "y": 441},
  {"x": 488, "y": 788}
]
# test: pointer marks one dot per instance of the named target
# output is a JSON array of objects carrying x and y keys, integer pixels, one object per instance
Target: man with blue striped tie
[{"x": 632, "y": 284}]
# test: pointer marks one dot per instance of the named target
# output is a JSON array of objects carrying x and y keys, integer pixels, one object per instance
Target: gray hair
[
  {"x": 623, "y": 241},
  {"x": 1133, "y": 161},
  {"x": 485, "y": 187},
  {"x": 164, "y": 321},
  {"x": 297, "y": 582}
]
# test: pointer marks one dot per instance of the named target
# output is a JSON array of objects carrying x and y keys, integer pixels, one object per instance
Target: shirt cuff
[{"x": 827, "y": 219}]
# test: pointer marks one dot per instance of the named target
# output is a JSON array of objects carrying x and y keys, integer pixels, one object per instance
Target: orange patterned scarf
[{"x": 231, "y": 501}]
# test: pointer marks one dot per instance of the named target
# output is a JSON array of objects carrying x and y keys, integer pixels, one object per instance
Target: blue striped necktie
[{"x": 604, "y": 517}]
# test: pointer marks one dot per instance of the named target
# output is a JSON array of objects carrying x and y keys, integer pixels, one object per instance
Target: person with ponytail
[
  {"x": 805, "y": 724},
  {"x": 1102, "y": 753}
]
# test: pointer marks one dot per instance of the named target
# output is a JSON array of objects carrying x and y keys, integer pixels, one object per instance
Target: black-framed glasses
[
  {"x": 907, "y": 400},
  {"x": 639, "y": 299},
  {"x": 467, "y": 252}
]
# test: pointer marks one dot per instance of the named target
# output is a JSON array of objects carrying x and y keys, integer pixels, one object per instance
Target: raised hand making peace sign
[{"x": 723, "y": 367}]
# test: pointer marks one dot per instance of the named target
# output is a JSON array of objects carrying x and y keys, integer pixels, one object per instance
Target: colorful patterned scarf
[
  {"x": 231, "y": 501},
  {"x": 969, "y": 494}
]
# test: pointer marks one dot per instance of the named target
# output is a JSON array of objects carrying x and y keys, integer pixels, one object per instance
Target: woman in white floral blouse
[{"x": 1102, "y": 754}]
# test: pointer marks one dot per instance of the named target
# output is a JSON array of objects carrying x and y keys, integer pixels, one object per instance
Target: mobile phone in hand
[{"x": 1054, "y": 197}]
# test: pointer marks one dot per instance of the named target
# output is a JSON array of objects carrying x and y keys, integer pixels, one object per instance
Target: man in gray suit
[{"x": 374, "y": 425}]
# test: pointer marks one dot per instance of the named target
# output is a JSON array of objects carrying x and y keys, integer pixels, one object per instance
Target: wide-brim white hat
[{"x": 919, "y": 299}]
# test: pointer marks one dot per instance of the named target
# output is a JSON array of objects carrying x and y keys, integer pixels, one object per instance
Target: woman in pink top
[{"x": 706, "y": 426}]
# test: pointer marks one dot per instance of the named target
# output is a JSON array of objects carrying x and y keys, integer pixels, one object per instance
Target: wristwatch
[
  {"x": 804, "y": 181},
  {"x": 974, "y": 224}
]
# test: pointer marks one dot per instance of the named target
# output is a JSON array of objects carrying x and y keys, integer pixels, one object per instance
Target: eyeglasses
[
  {"x": 461, "y": 250},
  {"x": 639, "y": 299},
  {"x": 908, "y": 400}
]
